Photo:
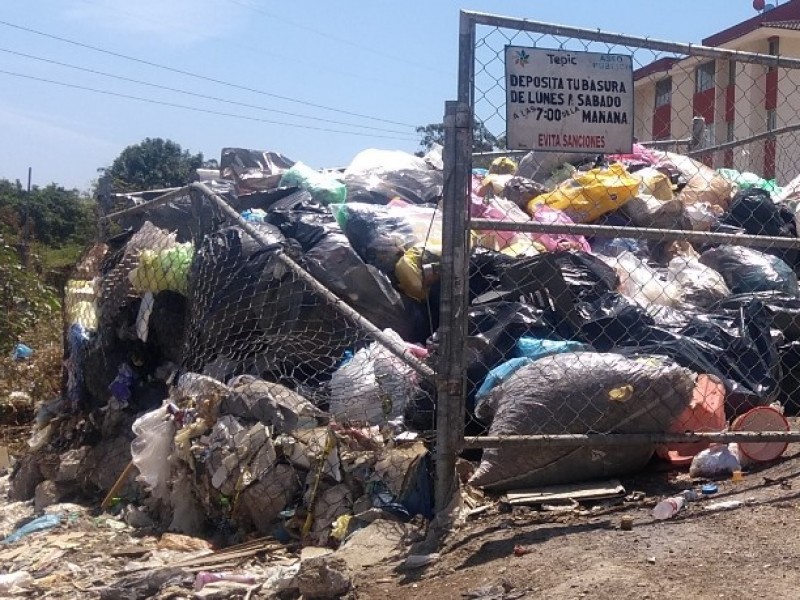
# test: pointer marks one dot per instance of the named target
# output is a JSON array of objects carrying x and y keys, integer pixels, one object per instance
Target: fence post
[
  {"x": 453, "y": 318},
  {"x": 698, "y": 140}
]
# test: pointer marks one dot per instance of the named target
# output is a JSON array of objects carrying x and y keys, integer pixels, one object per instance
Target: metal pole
[
  {"x": 616, "y": 39},
  {"x": 397, "y": 349},
  {"x": 451, "y": 366},
  {"x": 700, "y": 237},
  {"x": 595, "y": 440},
  {"x": 26, "y": 225},
  {"x": 145, "y": 206}
]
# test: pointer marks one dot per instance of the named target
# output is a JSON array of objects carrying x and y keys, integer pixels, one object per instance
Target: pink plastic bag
[
  {"x": 498, "y": 209},
  {"x": 557, "y": 241},
  {"x": 639, "y": 154}
]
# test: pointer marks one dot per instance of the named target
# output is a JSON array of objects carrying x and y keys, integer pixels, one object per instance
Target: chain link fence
[
  {"x": 602, "y": 306},
  {"x": 258, "y": 374}
]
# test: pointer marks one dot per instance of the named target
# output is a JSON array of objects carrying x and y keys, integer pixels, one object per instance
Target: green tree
[
  {"x": 24, "y": 299},
  {"x": 483, "y": 139},
  {"x": 55, "y": 215},
  {"x": 151, "y": 164}
]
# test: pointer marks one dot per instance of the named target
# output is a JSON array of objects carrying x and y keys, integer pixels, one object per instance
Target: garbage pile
[
  {"x": 583, "y": 335},
  {"x": 200, "y": 356}
]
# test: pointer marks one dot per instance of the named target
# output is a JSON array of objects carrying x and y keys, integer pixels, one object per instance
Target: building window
[
  {"x": 732, "y": 73},
  {"x": 664, "y": 92},
  {"x": 704, "y": 77},
  {"x": 773, "y": 49},
  {"x": 772, "y": 120},
  {"x": 729, "y": 133}
]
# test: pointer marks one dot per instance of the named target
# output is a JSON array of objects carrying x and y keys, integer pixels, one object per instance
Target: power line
[
  {"x": 330, "y": 36},
  {"x": 200, "y": 110},
  {"x": 198, "y": 76},
  {"x": 195, "y": 94},
  {"x": 261, "y": 51}
]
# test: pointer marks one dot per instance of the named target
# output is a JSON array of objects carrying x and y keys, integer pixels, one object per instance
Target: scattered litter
[
  {"x": 182, "y": 543},
  {"x": 521, "y": 550},
  {"x": 626, "y": 523},
  {"x": 717, "y": 461},
  {"x": 203, "y": 578},
  {"x": 417, "y": 561},
  {"x": 42, "y": 523},
  {"x": 11, "y": 583},
  {"x": 668, "y": 508},
  {"x": 726, "y": 505},
  {"x": 577, "y": 492},
  {"x": 490, "y": 591}
]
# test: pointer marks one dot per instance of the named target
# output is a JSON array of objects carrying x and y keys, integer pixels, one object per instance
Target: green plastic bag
[
  {"x": 162, "y": 270},
  {"x": 325, "y": 189},
  {"x": 747, "y": 180}
]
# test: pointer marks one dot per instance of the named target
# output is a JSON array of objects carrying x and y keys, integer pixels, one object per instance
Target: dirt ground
[
  {"x": 743, "y": 553},
  {"x": 748, "y": 552}
]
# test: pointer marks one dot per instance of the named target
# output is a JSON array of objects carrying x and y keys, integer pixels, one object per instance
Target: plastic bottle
[{"x": 668, "y": 508}]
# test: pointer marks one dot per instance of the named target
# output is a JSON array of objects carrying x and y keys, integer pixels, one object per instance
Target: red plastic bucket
[{"x": 761, "y": 418}]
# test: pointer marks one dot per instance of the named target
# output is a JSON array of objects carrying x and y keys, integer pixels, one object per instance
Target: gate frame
[{"x": 458, "y": 126}]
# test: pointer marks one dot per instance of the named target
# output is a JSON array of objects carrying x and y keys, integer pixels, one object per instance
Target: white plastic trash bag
[
  {"x": 645, "y": 285},
  {"x": 151, "y": 448},
  {"x": 374, "y": 386},
  {"x": 716, "y": 461},
  {"x": 700, "y": 285}
]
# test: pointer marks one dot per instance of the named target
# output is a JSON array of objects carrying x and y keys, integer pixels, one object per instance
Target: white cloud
[
  {"x": 176, "y": 21},
  {"x": 45, "y": 126},
  {"x": 57, "y": 152}
]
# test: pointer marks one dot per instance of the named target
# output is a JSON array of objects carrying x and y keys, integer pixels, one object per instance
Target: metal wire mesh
[
  {"x": 250, "y": 394},
  {"x": 619, "y": 301}
]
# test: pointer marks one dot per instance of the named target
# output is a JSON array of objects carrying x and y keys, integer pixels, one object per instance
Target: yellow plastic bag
[
  {"x": 589, "y": 195},
  {"x": 413, "y": 278},
  {"x": 503, "y": 166},
  {"x": 494, "y": 185},
  {"x": 655, "y": 184}
]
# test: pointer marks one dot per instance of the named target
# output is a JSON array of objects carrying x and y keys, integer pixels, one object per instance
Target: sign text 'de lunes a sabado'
[{"x": 557, "y": 100}]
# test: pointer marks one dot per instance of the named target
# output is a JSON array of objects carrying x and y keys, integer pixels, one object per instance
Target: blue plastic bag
[
  {"x": 499, "y": 374},
  {"x": 40, "y": 524},
  {"x": 254, "y": 215},
  {"x": 21, "y": 352},
  {"x": 531, "y": 347},
  {"x": 528, "y": 349}
]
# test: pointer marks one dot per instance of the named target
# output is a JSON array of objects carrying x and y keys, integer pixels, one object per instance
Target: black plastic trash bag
[
  {"x": 494, "y": 329},
  {"x": 379, "y": 234},
  {"x": 609, "y": 321},
  {"x": 253, "y": 170},
  {"x": 738, "y": 348},
  {"x": 746, "y": 270},
  {"x": 486, "y": 270},
  {"x": 414, "y": 187},
  {"x": 563, "y": 285},
  {"x": 380, "y": 176},
  {"x": 250, "y": 313},
  {"x": 332, "y": 261},
  {"x": 785, "y": 310},
  {"x": 579, "y": 393},
  {"x": 754, "y": 211}
]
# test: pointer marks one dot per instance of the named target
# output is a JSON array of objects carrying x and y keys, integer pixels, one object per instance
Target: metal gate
[{"x": 702, "y": 314}]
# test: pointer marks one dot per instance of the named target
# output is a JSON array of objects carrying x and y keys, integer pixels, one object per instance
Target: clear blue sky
[{"x": 391, "y": 60}]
